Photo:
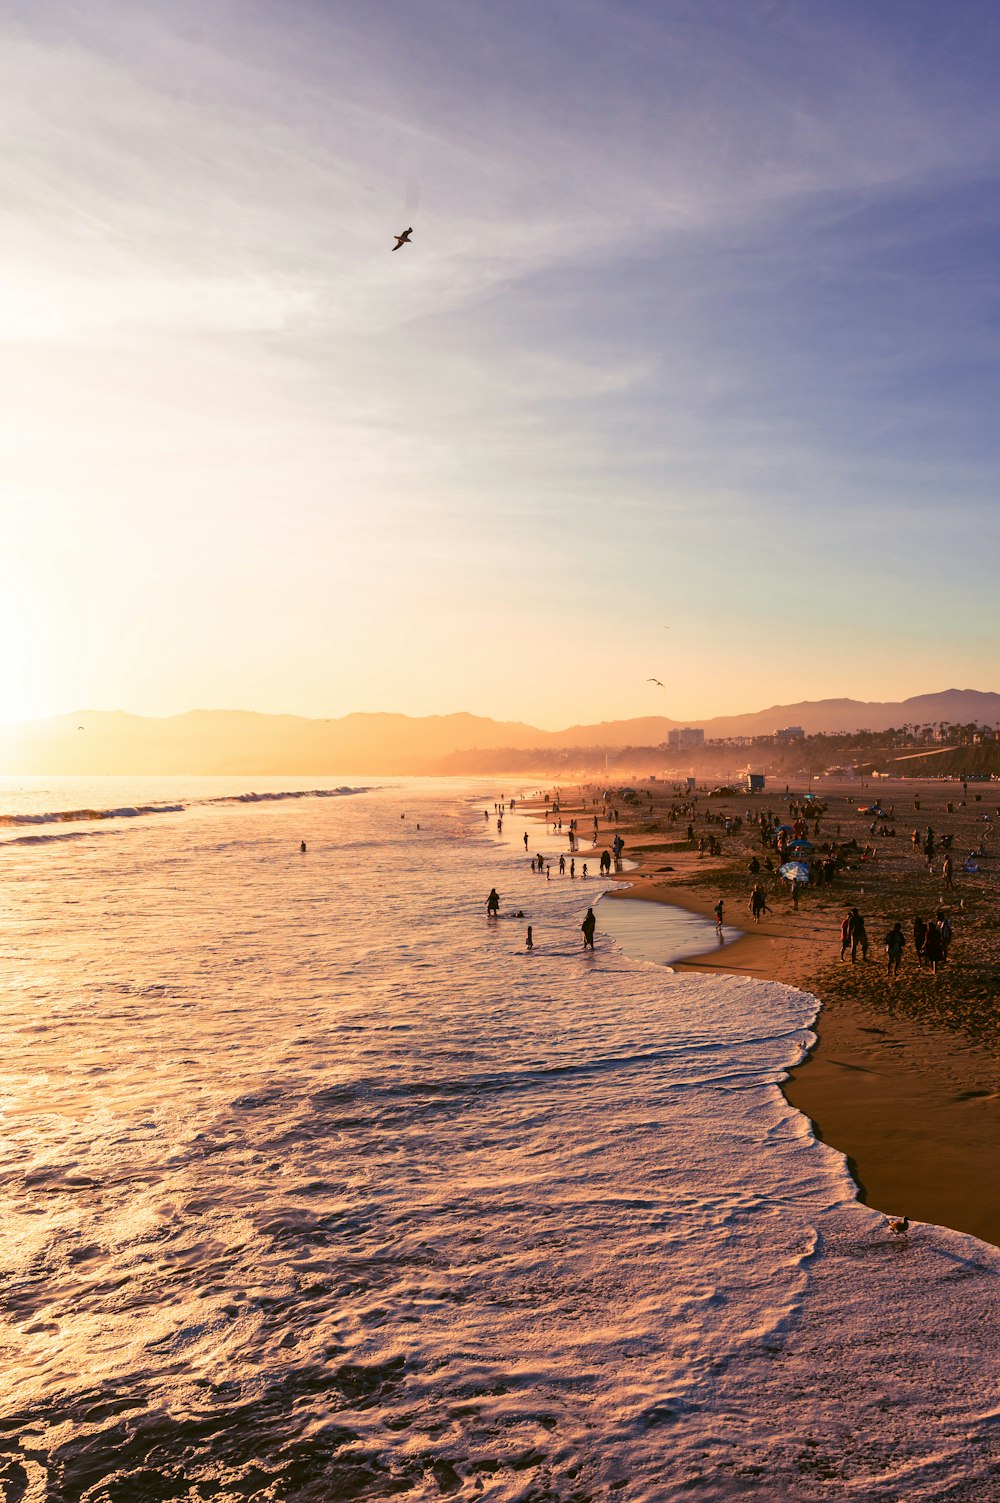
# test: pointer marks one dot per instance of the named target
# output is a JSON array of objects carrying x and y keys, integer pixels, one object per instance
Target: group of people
[
  {"x": 930, "y": 941},
  {"x": 589, "y": 925}
]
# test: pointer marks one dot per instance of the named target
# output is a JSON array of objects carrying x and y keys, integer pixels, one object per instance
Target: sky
[{"x": 689, "y": 372}]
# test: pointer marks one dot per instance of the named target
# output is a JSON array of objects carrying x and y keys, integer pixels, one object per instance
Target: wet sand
[{"x": 905, "y": 1077}]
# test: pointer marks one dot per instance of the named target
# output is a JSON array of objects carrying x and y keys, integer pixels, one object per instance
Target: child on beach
[{"x": 718, "y": 917}]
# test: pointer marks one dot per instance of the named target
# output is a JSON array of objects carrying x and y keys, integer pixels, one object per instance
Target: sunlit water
[{"x": 318, "y": 1185}]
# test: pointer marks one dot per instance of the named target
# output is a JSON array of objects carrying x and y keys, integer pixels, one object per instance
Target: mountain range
[{"x": 209, "y": 742}]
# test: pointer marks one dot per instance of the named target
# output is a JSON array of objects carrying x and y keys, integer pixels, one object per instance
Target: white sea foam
[{"x": 319, "y": 1185}]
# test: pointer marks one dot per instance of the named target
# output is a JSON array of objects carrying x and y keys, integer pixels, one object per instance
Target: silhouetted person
[
  {"x": 588, "y": 926},
  {"x": 859, "y": 936},
  {"x": 302, "y": 847},
  {"x": 493, "y": 903},
  {"x": 895, "y": 942},
  {"x": 529, "y": 943},
  {"x": 933, "y": 948}
]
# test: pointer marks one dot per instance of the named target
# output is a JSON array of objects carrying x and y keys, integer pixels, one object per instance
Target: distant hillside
[{"x": 235, "y": 742}]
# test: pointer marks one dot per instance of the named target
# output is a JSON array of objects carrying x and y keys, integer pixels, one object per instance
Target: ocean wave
[
  {"x": 264, "y": 798},
  {"x": 137, "y": 811},
  {"x": 84, "y": 816},
  {"x": 44, "y": 839}
]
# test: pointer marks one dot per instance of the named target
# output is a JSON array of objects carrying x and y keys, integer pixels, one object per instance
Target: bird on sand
[
  {"x": 403, "y": 239},
  {"x": 899, "y": 1225},
  {"x": 657, "y": 682}
]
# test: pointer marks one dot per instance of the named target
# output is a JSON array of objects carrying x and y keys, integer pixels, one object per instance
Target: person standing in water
[
  {"x": 588, "y": 926},
  {"x": 493, "y": 904},
  {"x": 302, "y": 847},
  {"x": 529, "y": 943},
  {"x": 718, "y": 918}
]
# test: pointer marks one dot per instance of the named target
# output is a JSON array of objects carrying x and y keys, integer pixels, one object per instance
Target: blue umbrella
[
  {"x": 801, "y": 845},
  {"x": 794, "y": 871}
]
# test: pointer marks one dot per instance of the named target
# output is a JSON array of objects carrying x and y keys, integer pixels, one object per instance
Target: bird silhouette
[
  {"x": 403, "y": 238},
  {"x": 899, "y": 1225},
  {"x": 657, "y": 682}
]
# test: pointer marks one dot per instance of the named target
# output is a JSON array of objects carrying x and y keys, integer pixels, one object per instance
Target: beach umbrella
[
  {"x": 787, "y": 828},
  {"x": 794, "y": 871},
  {"x": 801, "y": 845}
]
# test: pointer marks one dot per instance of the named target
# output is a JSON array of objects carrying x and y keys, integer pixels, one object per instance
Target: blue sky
[{"x": 698, "y": 329}]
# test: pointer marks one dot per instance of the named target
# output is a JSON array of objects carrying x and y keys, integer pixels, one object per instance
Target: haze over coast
[{"x": 206, "y": 742}]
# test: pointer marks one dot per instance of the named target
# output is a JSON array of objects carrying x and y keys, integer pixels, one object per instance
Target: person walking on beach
[
  {"x": 895, "y": 942},
  {"x": 525, "y": 840},
  {"x": 859, "y": 936},
  {"x": 933, "y": 948},
  {"x": 758, "y": 903},
  {"x": 845, "y": 935},
  {"x": 919, "y": 935},
  {"x": 562, "y": 866},
  {"x": 493, "y": 904},
  {"x": 718, "y": 918},
  {"x": 944, "y": 930},
  {"x": 946, "y": 872},
  {"x": 588, "y": 926}
]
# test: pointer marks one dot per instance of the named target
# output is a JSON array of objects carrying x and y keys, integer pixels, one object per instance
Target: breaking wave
[
  {"x": 81, "y": 816},
  {"x": 138, "y": 811}
]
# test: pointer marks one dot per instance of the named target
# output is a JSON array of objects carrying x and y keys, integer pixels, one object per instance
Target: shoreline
[{"x": 896, "y": 1083}]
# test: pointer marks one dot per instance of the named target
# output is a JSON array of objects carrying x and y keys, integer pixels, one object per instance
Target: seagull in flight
[
  {"x": 403, "y": 239},
  {"x": 657, "y": 682}
]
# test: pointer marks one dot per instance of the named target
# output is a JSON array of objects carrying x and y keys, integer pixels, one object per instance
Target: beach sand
[{"x": 905, "y": 1076}]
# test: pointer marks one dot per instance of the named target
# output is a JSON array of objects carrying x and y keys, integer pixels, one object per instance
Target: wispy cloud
[{"x": 680, "y": 274}]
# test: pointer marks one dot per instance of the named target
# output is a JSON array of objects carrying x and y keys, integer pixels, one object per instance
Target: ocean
[{"x": 318, "y": 1185}]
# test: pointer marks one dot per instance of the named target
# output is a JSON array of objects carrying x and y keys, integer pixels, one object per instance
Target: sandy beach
[{"x": 905, "y": 1076}]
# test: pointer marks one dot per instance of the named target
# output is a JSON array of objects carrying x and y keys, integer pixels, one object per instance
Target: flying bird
[
  {"x": 657, "y": 682},
  {"x": 81, "y": 727},
  {"x": 403, "y": 238}
]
